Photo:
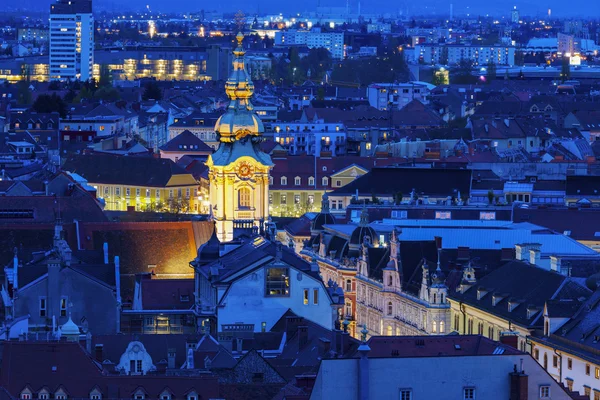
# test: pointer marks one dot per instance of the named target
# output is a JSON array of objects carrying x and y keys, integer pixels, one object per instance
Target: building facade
[
  {"x": 71, "y": 40},
  {"x": 239, "y": 169}
]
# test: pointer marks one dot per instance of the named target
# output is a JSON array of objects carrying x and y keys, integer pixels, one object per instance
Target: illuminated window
[
  {"x": 487, "y": 215},
  {"x": 277, "y": 282},
  {"x": 102, "y": 128},
  {"x": 443, "y": 215},
  {"x": 305, "y": 301},
  {"x": 283, "y": 199},
  {"x": 244, "y": 198}
]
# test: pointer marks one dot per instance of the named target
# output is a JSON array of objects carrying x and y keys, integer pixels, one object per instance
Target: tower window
[{"x": 244, "y": 198}]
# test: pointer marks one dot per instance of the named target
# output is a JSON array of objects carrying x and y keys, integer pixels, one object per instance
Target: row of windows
[
  {"x": 283, "y": 199},
  {"x": 311, "y": 181},
  {"x": 483, "y": 215},
  {"x": 135, "y": 365},
  {"x": 468, "y": 393},
  {"x": 43, "y": 306},
  {"x": 315, "y": 297},
  {"x": 108, "y": 190}
]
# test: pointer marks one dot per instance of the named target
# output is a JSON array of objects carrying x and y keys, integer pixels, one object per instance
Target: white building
[
  {"x": 407, "y": 368},
  {"x": 257, "y": 282},
  {"x": 332, "y": 41},
  {"x": 380, "y": 95},
  {"x": 71, "y": 40},
  {"x": 452, "y": 54}
]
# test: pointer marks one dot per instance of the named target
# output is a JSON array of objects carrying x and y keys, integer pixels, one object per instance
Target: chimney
[
  {"x": 507, "y": 254},
  {"x": 118, "y": 278},
  {"x": 555, "y": 263},
  {"x": 314, "y": 266},
  {"x": 519, "y": 384},
  {"x": 363, "y": 372},
  {"x": 15, "y": 271},
  {"x": 171, "y": 358},
  {"x": 291, "y": 326},
  {"x": 324, "y": 347},
  {"x": 105, "y": 249},
  {"x": 302, "y": 336},
  {"x": 190, "y": 359},
  {"x": 510, "y": 339},
  {"x": 534, "y": 257},
  {"x": 462, "y": 253},
  {"x": 98, "y": 352}
]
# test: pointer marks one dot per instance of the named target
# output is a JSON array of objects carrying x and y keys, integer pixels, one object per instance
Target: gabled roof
[
  {"x": 526, "y": 285},
  {"x": 436, "y": 346},
  {"x": 186, "y": 141},
  {"x": 389, "y": 181},
  {"x": 124, "y": 170}
]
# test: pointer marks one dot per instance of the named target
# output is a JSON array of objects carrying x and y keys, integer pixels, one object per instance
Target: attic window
[
  {"x": 567, "y": 233},
  {"x": 184, "y": 298}
]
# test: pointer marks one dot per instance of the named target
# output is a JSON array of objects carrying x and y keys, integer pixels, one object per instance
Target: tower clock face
[{"x": 245, "y": 170}]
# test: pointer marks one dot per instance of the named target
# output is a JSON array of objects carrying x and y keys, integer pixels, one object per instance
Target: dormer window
[
  {"x": 25, "y": 396},
  {"x": 283, "y": 181},
  {"x": 192, "y": 396},
  {"x": 311, "y": 181},
  {"x": 297, "y": 181},
  {"x": 325, "y": 181}
]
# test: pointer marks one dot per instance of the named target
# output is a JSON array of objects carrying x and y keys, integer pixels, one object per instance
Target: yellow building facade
[
  {"x": 180, "y": 195},
  {"x": 239, "y": 169}
]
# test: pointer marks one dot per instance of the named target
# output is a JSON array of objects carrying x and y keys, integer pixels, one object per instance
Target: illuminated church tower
[{"x": 239, "y": 169}]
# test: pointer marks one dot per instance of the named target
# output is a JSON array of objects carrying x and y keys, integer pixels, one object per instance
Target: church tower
[{"x": 239, "y": 169}]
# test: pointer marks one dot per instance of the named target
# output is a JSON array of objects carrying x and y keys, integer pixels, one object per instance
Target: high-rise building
[
  {"x": 514, "y": 16},
  {"x": 71, "y": 40},
  {"x": 239, "y": 169}
]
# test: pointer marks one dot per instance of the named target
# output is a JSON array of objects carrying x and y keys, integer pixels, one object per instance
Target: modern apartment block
[
  {"x": 332, "y": 41},
  {"x": 71, "y": 40}
]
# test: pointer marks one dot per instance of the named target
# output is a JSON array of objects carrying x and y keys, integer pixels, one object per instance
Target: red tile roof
[
  {"x": 436, "y": 346},
  {"x": 55, "y": 364}
]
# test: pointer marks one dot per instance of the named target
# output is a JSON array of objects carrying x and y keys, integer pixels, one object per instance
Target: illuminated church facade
[{"x": 239, "y": 169}]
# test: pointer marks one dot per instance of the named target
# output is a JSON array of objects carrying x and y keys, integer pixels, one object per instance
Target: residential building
[
  {"x": 567, "y": 347},
  {"x": 144, "y": 183},
  {"x": 57, "y": 286},
  {"x": 201, "y": 125},
  {"x": 452, "y": 54},
  {"x": 395, "y": 185},
  {"x": 239, "y": 169},
  {"x": 314, "y": 38},
  {"x": 504, "y": 300},
  {"x": 185, "y": 144},
  {"x": 474, "y": 368},
  {"x": 255, "y": 283},
  {"x": 71, "y": 40},
  {"x": 383, "y": 95}
]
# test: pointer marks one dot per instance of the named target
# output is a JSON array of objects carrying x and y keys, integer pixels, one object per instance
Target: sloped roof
[
  {"x": 125, "y": 170},
  {"x": 436, "y": 346},
  {"x": 167, "y": 294},
  {"x": 389, "y": 181},
  {"x": 523, "y": 283},
  {"x": 186, "y": 141}
]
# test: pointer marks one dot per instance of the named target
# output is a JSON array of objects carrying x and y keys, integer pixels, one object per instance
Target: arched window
[
  {"x": 490, "y": 332},
  {"x": 244, "y": 198},
  {"x": 325, "y": 181},
  {"x": 397, "y": 331},
  {"x": 434, "y": 298},
  {"x": 348, "y": 309},
  {"x": 390, "y": 281},
  {"x": 389, "y": 330},
  {"x": 348, "y": 285},
  {"x": 545, "y": 360},
  {"x": 390, "y": 309},
  {"x": 442, "y": 327},
  {"x": 434, "y": 327},
  {"x": 442, "y": 298},
  {"x": 546, "y": 328},
  {"x": 470, "y": 326},
  {"x": 311, "y": 181},
  {"x": 480, "y": 328},
  {"x": 283, "y": 181}
]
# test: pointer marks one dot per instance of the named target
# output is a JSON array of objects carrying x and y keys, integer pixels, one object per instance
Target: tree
[
  {"x": 398, "y": 197},
  {"x": 108, "y": 94},
  {"x": 565, "y": 70},
  {"x": 152, "y": 91},
  {"x": 46, "y": 103},
  {"x": 105, "y": 80},
  {"x": 491, "y": 71}
]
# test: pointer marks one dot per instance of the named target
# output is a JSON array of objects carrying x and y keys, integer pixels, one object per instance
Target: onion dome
[
  {"x": 324, "y": 217},
  {"x": 239, "y": 120},
  {"x": 69, "y": 328},
  {"x": 209, "y": 251},
  {"x": 363, "y": 230}
]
